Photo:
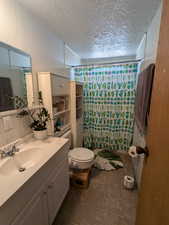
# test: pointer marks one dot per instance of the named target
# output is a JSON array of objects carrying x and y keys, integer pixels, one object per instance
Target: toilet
[{"x": 81, "y": 158}]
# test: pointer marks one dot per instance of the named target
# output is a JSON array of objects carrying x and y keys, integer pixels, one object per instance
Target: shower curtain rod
[{"x": 120, "y": 62}]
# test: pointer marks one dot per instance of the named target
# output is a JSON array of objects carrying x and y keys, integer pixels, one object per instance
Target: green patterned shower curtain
[{"x": 109, "y": 97}]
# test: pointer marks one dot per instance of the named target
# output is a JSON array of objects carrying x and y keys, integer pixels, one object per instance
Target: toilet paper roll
[
  {"x": 133, "y": 152},
  {"x": 129, "y": 182}
]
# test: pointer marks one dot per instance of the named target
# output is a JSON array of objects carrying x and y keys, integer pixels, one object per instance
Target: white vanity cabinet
[
  {"x": 36, "y": 211},
  {"x": 43, "y": 207},
  {"x": 39, "y": 199},
  {"x": 57, "y": 190}
]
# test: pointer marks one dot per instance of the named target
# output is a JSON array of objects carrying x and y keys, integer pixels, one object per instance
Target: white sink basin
[
  {"x": 8, "y": 167},
  {"x": 29, "y": 157},
  {"x": 22, "y": 160}
]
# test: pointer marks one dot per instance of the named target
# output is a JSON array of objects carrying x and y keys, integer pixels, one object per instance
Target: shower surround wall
[{"x": 147, "y": 51}]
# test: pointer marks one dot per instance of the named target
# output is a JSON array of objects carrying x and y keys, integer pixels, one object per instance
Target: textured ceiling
[{"x": 97, "y": 28}]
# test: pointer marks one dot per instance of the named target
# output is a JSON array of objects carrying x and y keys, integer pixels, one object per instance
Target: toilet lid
[{"x": 81, "y": 154}]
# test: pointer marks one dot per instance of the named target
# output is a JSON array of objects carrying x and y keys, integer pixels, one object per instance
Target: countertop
[{"x": 9, "y": 184}]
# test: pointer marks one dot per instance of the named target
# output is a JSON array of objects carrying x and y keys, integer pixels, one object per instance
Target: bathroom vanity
[{"x": 34, "y": 196}]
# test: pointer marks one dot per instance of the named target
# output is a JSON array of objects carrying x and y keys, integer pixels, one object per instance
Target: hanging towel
[{"x": 143, "y": 97}]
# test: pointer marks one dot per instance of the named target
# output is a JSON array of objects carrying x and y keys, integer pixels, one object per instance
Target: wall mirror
[{"x": 14, "y": 67}]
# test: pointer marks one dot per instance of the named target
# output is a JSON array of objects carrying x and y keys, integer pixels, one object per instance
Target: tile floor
[{"x": 105, "y": 202}]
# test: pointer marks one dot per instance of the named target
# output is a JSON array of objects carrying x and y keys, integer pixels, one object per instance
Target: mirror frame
[{"x": 33, "y": 105}]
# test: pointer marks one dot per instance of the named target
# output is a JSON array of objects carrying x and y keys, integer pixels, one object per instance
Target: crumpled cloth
[{"x": 107, "y": 160}]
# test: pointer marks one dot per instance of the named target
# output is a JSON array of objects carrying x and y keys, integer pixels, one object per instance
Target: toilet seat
[
  {"x": 81, "y": 157},
  {"x": 82, "y": 154}
]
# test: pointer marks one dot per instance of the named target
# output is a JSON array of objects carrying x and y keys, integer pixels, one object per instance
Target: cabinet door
[
  {"x": 60, "y": 86},
  {"x": 57, "y": 190},
  {"x": 35, "y": 213}
]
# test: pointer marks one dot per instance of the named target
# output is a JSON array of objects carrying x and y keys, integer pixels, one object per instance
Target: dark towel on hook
[{"x": 143, "y": 97}]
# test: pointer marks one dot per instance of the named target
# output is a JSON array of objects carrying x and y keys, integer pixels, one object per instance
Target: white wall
[
  {"x": 153, "y": 38},
  {"x": 21, "y": 29},
  {"x": 140, "y": 53},
  {"x": 147, "y": 51},
  {"x": 107, "y": 60},
  {"x": 71, "y": 58}
]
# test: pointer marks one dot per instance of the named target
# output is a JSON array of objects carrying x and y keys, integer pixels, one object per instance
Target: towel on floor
[
  {"x": 143, "y": 97},
  {"x": 107, "y": 160}
]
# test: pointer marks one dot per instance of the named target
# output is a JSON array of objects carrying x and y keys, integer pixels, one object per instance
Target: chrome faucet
[{"x": 11, "y": 152}]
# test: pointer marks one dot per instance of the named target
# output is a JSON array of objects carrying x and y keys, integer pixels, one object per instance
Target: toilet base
[{"x": 80, "y": 178}]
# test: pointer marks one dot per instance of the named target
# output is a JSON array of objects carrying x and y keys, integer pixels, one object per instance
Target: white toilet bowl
[{"x": 81, "y": 158}]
